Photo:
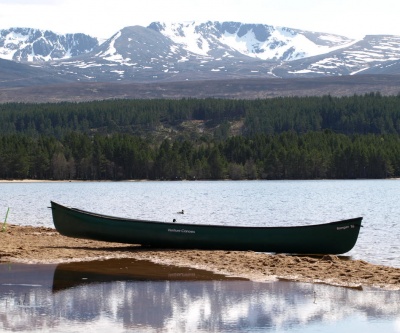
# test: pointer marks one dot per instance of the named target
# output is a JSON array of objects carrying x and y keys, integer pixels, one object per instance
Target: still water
[
  {"x": 121, "y": 296},
  {"x": 267, "y": 203},
  {"x": 83, "y": 297}
]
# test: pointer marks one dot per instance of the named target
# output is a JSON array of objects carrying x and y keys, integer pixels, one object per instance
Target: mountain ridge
[
  {"x": 191, "y": 51},
  {"x": 35, "y": 45},
  {"x": 255, "y": 40}
]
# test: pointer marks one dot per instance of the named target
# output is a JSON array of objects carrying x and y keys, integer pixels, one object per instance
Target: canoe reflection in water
[
  {"x": 140, "y": 296},
  {"x": 80, "y": 273}
]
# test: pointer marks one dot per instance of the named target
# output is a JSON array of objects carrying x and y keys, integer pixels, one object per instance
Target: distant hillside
[{"x": 235, "y": 88}]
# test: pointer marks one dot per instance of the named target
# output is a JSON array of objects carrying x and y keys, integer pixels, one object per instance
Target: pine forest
[{"x": 189, "y": 139}]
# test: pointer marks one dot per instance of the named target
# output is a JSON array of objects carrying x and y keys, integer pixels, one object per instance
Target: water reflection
[
  {"x": 127, "y": 295},
  {"x": 80, "y": 273}
]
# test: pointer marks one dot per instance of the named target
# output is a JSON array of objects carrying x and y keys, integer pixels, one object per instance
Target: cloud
[
  {"x": 33, "y": 2},
  {"x": 102, "y": 18}
]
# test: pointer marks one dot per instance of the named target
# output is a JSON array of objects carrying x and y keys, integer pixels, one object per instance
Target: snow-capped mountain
[
  {"x": 33, "y": 45},
  {"x": 254, "y": 40},
  {"x": 187, "y": 51},
  {"x": 143, "y": 54},
  {"x": 198, "y": 51},
  {"x": 133, "y": 53},
  {"x": 373, "y": 54}
]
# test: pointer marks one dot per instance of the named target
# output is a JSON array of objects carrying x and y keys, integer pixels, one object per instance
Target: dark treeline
[
  {"x": 281, "y": 138},
  {"x": 366, "y": 114},
  {"x": 287, "y": 155}
]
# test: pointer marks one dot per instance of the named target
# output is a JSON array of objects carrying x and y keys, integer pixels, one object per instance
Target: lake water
[
  {"x": 68, "y": 298},
  {"x": 268, "y": 203},
  {"x": 65, "y": 298}
]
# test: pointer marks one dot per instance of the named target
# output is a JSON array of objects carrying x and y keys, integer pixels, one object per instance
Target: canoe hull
[{"x": 330, "y": 238}]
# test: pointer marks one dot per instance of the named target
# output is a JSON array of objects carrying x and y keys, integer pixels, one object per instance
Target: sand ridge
[{"x": 28, "y": 244}]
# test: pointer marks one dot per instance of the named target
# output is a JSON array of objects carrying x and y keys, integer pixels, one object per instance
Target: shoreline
[
  {"x": 42, "y": 245},
  {"x": 11, "y": 181}
]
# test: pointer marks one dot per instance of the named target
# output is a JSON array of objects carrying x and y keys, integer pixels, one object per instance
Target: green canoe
[{"x": 329, "y": 238}]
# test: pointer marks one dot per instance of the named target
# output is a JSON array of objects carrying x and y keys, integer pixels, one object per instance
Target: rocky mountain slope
[
  {"x": 33, "y": 45},
  {"x": 190, "y": 51}
]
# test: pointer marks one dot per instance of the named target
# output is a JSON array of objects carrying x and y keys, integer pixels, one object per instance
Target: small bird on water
[{"x": 181, "y": 212}]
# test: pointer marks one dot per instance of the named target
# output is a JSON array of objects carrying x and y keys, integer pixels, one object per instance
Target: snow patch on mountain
[
  {"x": 278, "y": 46},
  {"x": 187, "y": 35},
  {"x": 253, "y": 40},
  {"x": 363, "y": 55},
  {"x": 30, "y": 45},
  {"x": 111, "y": 53}
]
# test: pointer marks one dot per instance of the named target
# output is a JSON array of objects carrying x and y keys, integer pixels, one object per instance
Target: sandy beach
[{"x": 34, "y": 245}]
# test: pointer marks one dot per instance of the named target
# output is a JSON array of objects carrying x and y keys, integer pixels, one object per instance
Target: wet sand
[{"x": 45, "y": 245}]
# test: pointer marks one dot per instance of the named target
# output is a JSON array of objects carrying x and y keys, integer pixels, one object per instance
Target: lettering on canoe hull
[
  {"x": 184, "y": 231},
  {"x": 182, "y": 275},
  {"x": 345, "y": 227}
]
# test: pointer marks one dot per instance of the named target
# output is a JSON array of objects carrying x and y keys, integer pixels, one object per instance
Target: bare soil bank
[{"x": 45, "y": 245}]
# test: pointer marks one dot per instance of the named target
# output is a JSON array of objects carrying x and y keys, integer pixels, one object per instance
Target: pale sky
[{"x": 103, "y": 18}]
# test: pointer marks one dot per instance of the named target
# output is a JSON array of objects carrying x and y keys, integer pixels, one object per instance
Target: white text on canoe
[{"x": 182, "y": 231}]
